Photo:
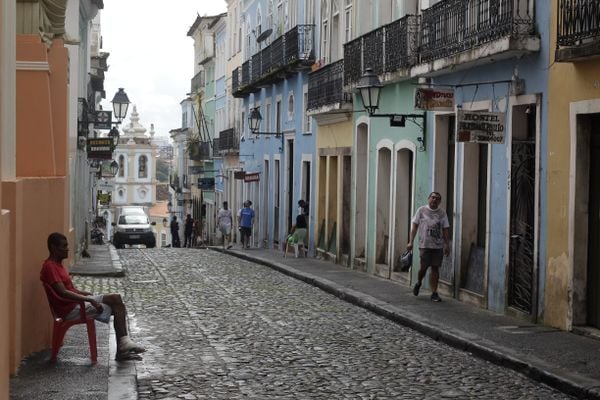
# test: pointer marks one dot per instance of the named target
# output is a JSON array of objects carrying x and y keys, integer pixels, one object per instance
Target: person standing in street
[
  {"x": 225, "y": 221},
  {"x": 175, "y": 241},
  {"x": 188, "y": 229},
  {"x": 245, "y": 222},
  {"x": 432, "y": 224}
]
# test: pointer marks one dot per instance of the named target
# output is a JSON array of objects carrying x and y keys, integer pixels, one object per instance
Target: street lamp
[
  {"x": 254, "y": 120},
  {"x": 114, "y": 168},
  {"x": 114, "y": 135},
  {"x": 120, "y": 105},
  {"x": 369, "y": 88}
]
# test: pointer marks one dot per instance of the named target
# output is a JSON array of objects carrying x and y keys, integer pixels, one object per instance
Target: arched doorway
[{"x": 382, "y": 212}]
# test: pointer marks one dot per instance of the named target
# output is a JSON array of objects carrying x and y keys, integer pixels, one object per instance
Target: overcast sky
[{"x": 151, "y": 56}]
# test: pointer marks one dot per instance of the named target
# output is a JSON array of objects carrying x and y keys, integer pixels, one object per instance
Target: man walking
[
  {"x": 432, "y": 224},
  {"x": 245, "y": 222}
]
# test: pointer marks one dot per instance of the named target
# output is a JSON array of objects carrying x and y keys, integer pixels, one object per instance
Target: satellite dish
[{"x": 264, "y": 35}]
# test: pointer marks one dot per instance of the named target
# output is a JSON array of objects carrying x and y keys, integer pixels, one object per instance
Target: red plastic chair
[{"x": 61, "y": 326}]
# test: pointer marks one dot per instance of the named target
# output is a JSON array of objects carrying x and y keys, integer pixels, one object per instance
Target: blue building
[{"x": 278, "y": 156}]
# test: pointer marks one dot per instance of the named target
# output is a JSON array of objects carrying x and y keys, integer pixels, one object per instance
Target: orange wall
[
  {"x": 38, "y": 199},
  {"x": 41, "y": 140},
  {"x": 5, "y": 329}
]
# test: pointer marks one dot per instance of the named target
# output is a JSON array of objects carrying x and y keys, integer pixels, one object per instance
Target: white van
[{"x": 133, "y": 227}]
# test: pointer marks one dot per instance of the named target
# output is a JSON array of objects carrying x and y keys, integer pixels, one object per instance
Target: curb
[
  {"x": 576, "y": 386},
  {"x": 122, "y": 375}
]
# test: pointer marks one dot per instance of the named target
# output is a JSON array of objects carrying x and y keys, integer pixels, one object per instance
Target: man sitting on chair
[{"x": 101, "y": 306}]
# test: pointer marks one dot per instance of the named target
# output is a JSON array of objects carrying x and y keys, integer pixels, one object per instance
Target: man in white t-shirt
[{"x": 432, "y": 224}]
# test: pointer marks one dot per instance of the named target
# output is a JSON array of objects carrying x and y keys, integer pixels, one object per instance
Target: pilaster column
[{"x": 8, "y": 50}]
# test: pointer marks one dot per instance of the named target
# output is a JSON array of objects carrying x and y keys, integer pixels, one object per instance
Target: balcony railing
[
  {"x": 578, "y": 27},
  {"x": 454, "y": 26},
  {"x": 235, "y": 79},
  {"x": 287, "y": 53},
  {"x": 390, "y": 48},
  {"x": 198, "y": 81},
  {"x": 227, "y": 142},
  {"x": 199, "y": 151},
  {"x": 326, "y": 86}
]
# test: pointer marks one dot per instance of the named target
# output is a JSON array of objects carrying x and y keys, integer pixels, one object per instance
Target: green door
[{"x": 593, "y": 275}]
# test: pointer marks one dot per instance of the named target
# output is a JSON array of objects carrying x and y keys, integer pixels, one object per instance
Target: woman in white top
[{"x": 225, "y": 220}]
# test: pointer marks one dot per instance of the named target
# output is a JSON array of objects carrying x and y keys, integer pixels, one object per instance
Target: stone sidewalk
[{"x": 563, "y": 360}]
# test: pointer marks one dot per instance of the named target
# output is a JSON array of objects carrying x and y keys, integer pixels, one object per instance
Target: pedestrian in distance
[
  {"x": 303, "y": 207},
  {"x": 431, "y": 222},
  {"x": 101, "y": 306},
  {"x": 225, "y": 221},
  {"x": 188, "y": 229},
  {"x": 245, "y": 222},
  {"x": 175, "y": 241}
]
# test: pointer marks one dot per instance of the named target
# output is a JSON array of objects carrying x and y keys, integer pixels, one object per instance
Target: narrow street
[{"x": 217, "y": 327}]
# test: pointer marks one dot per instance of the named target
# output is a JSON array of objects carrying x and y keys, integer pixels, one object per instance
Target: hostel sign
[{"x": 480, "y": 127}]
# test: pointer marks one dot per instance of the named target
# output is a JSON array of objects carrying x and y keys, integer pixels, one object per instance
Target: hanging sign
[
  {"x": 195, "y": 169},
  {"x": 105, "y": 185},
  {"x": 103, "y": 119},
  {"x": 434, "y": 99},
  {"x": 206, "y": 183},
  {"x": 239, "y": 174},
  {"x": 252, "y": 177},
  {"x": 99, "y": 148},
  {"x": 104, "y": 198},
  {"x": 480, "y": 127}
]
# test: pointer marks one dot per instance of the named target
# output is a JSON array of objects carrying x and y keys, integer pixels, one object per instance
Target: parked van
[{"x": 133, "y": 227}]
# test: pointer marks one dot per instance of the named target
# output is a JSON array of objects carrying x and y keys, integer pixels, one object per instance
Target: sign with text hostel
[
  {"x": 428, "y": 99},
  {"x": 480, "y": 127}
]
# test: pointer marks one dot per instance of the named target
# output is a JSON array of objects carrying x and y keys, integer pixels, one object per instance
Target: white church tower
[{"x": 135, "y": 183}]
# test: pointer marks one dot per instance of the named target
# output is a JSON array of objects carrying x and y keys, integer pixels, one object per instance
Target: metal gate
[{"x": 522, "y": 222}]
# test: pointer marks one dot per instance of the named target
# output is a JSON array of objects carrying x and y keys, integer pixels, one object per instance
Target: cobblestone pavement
[{"x": 217, "y": 327}]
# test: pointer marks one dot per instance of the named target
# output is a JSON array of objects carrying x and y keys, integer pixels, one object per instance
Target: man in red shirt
[{"x": 101, "y": 306}]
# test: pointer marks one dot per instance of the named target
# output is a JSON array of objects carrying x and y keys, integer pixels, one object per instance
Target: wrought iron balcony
[
  {"x": 453, "y": 26},
  {"x": 197, "y": 82},
  {"x": 235, "y": 80},
  {"x": 578, "y": 30},
  {"x": 326, "y": 86},
  {"x": 227, "y": 142},
  {"x": 199, "y": 151},
  {"x": 388, "y": 49},
  {"x": 287, "y": 54}
]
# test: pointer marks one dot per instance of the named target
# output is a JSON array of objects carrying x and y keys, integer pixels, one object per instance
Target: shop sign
[
  {"x": 206, "y": 183},
  {"x": 104, "y": 198},
  {"x": 239, "y": 174},
  {"x": 105, "y": 185},
  {"x": 480, "y": 127},
  {"x": 100, "y": 148},
  {"x": 252, "y": 177},
  {"x": 434, "y": 99},
  {"x": 103, "y": 119},
  {"x": 195, "y": 169}
]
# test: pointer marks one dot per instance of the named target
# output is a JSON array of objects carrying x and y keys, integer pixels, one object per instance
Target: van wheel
[{"x": 150, "y": 245}]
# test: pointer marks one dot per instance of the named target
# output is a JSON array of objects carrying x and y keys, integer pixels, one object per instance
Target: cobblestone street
[{"x": 217, "y": 327}]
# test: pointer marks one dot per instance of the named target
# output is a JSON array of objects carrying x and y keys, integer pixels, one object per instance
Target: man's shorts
[
  {"x": 104, "y": 316},
  {"x": 246, "y": 231},
  {"x": 431, "y": 257},
  {"x": 225, "y": 229}
]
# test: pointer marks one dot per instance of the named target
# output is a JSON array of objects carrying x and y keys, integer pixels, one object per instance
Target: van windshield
[{"x": 133, "y": 220}]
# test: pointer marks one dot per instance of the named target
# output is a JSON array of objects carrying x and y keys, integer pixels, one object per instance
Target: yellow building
[{"x": 572, "y": 281}]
